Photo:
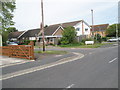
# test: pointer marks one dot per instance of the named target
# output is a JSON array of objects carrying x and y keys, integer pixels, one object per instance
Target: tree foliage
[
  {"x": 69, "y": 36},
  {"x": 6, "y": 15},
  {"x": 111, "y": 31}
]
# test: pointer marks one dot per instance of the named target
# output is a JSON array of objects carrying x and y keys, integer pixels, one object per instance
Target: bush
[
  {"x": 97, "y": 38},
  {"x": 104, "y": 38},
  {"x": 69, "y": 36}
]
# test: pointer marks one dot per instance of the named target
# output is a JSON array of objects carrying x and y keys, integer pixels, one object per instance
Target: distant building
[{"x": 100, "y": 29}]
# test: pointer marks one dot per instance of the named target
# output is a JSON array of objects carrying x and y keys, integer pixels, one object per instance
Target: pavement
[
  {"x": 7, "y": 61},
  {"x": 83, "y": 68}
]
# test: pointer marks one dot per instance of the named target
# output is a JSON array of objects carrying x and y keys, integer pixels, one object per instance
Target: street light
[{"x": 92, "y": 23}]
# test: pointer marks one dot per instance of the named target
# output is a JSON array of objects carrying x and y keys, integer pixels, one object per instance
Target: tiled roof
[
  {"x": 52, "y": 28},
  {"x": 15, "y": 34},
  {"x": 31, "y": 33},
  {"x": 100, "y": 27}
]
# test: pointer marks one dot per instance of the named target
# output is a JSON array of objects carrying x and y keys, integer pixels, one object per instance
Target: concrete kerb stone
[{"x": 38, "y": 68}]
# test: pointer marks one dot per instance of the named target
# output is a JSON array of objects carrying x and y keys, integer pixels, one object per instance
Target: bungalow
[
  {"x": 14, "y": 36},
  {"x": 100, "y": 29}
]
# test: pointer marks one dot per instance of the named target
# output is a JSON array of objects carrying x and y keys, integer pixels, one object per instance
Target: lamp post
[
  {"x": 43, "y": 37},
  {"x": 92, "y": 23}
]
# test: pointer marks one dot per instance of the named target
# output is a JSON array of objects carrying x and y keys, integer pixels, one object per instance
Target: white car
[
  {"x": 113, "y": 40},
  {"x": 12, "y": 43}
]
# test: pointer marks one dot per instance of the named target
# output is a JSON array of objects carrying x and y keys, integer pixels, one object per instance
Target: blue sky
[{"x": 28, "y": 13}]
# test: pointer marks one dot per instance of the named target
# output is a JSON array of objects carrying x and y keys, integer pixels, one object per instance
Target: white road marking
[
  {"x": 112, "y": 60},
  {"x": 70, "y": 86},
  {"x": 27, "y": 71}
]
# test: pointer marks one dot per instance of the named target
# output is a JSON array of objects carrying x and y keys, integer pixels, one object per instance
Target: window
[
  {"x": 86, "y": 29},
  {"x": 78, "y": 29}
]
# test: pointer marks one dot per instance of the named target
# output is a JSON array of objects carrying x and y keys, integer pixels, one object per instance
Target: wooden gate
[{"x": 19, "y": 51}]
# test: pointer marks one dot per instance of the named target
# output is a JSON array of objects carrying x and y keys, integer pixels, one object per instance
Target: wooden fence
[{"x": 19, "y": 51}]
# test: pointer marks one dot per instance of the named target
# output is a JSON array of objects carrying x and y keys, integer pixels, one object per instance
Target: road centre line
[{"x": 112, "y": 60}]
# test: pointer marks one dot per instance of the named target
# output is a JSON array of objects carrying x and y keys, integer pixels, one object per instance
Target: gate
[{"x": 19, "y": 51}]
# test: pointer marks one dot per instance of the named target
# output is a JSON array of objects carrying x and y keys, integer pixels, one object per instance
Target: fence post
[{"x": 32, "y": 49}]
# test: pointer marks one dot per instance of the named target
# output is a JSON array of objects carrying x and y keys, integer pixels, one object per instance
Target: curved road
[{"x": 97, "y": 69}]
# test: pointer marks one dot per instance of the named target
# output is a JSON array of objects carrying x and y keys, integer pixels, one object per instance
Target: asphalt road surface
[{"x": 97, "y": 69}]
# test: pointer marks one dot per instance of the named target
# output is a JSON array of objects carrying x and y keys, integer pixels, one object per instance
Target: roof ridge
[{"x": 67, "y": 22}]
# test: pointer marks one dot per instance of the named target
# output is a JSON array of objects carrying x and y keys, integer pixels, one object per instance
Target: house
[
  {"x": 100, "y": 29},
  {"x": 24, "y": 35},
  {"x": 54, "y": 32},
  {"x": 14, "y": 36},
  {"x": 30, "y": 34}
]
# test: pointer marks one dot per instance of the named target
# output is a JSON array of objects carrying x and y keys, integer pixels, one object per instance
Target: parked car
[
  {"x": 12, "y": 43},
  {"x": 113, "y": 40}
]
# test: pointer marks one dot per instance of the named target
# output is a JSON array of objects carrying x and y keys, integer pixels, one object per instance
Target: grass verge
[
  {"x": 84, "y": 46},
  {"x": 52, "y": 52}
]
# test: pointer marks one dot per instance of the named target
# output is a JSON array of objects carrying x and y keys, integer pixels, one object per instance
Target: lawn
[
  {"x": 84, "y": 46},
  {"x": 52, "y": 52}
]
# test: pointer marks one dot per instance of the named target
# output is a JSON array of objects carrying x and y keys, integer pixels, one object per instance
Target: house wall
[
  {"x": 32, "y": 38},
  {"x": 59, "y": 32},
  {"x": 84, "y": 26},
  {"x": 102, "y": 33}
]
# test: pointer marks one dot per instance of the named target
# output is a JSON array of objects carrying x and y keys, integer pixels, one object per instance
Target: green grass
[
  {"x": 84, "y": 46},
  {"x": 52, "y": 52}
]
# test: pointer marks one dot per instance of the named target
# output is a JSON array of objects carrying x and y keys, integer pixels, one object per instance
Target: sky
[{"x": 28, "y": 12}]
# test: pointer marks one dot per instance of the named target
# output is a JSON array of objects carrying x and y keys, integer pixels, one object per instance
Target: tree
[
  {"x": 69, "y": 36},
  {"x": 6, "y": 15},
  {"x": 111, "y": 31},
  {"x": 11, "y": 29}
]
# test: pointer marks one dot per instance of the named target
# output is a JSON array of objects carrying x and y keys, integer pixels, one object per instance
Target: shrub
[
  {"x": 104, "y": 38},
  {"x": 97, "y": 38},
  {"x": 69, "y": 36}
]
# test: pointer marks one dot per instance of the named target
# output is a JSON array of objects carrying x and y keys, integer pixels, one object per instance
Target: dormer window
[{"x": 78, "y": 29}]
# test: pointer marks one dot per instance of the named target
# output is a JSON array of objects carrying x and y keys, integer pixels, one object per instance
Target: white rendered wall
[{"x": 79, "y": 25}]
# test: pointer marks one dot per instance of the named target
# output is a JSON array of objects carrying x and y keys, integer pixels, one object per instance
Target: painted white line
[
  {"x": 27, "y": 71},
  {"x": 70, "y": 86},
  {"x": 112, "y": 60}
]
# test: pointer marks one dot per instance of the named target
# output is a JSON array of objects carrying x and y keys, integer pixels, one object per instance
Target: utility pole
[
  {"x": 92, "y": 24},
  {"x": 43, "y": 37},
  {"x": 116, "y": 30}
]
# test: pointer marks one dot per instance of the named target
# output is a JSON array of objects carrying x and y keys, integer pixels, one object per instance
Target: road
[{"x": 97, "y": 69}]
